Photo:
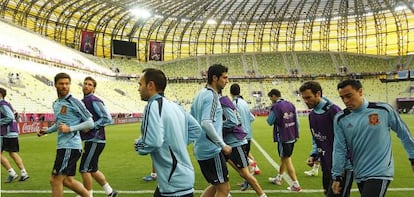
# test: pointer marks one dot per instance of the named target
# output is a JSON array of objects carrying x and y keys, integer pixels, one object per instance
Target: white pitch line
[
  {"x": 196, "y": 191},
  {"x": 265, "y": 154},
  {"x": 272, "y": 162}
]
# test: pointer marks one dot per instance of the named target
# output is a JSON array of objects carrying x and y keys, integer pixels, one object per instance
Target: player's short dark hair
[
  {"x": 314, "y": 86},
  {"x": 215, "y": 70},
  {"x": 89, "y": 78},
  {"x": 275, "y": 92},
  {"x": 355, "y": 84},
  {"x": 156, "y": 76},
  {"x": 62, "y": 76},
  {"x": 3, "y": 92},
  {"x": 235, "y": 89}
]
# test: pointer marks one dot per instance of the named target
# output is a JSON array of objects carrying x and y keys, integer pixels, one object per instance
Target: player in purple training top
[
  {"x": 321, "y": 125},
  {"x": 284, "y": 119},
  {"x": 94, "y": 139}
]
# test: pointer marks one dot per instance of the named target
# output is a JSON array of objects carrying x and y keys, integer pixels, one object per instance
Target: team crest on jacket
[
  {"x": 63, "y": 109},
  {"x": 373, "y": 119}
]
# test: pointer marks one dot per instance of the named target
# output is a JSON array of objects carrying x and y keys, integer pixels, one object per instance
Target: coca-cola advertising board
[{"x": 31, "y": 127}]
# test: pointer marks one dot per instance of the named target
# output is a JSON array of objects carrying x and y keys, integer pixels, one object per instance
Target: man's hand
[
  {"x": 226, "y": 149},
  {"x": 310, "y": 161},
  {"x": 137, "y": 144},
  {"x": 41, "y": 132},
  {"x": 336, "y": 187},
  {"x": 63, "y": 128}
]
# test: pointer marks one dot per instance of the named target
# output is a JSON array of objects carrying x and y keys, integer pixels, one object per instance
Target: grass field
[{"x": 124, "y": 169}]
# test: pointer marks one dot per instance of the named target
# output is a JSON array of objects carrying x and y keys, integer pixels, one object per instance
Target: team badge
[
  {"x": 374, "y": 119},
  {"x": 63, "y": 109}
]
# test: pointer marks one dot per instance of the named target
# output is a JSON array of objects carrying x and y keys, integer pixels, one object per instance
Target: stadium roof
[{"x": 190, "y": 28}]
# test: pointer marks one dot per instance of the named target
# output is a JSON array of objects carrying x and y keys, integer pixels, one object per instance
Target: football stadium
[{"x": 265, "y": 44}]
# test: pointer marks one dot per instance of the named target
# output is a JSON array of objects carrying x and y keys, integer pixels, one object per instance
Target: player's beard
[
  {"x": 86, "y": 91},
  {"x": 311, "y": 105},
  {"x": 63, "y": 92},
  {"x": 143, "y": 97}
]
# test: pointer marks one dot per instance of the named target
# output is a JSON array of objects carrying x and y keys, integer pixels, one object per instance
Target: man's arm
[
  {"x": 208, "y": 126},
  {"x": 45, "y": 130},
  {"x": 314, "y": 152},
  {"x": 251, "y": 117},
  {"x": 398, "y": 126},
  {"x": 9, "y": 116},
  {"x": 88, "y": 124},
  {"x": 194, "y": 129},
  {"x": 271, "y": 118},
  {"x": 231, "y": 119},
  {"x": 85, "y": 125},
  {"x": 104, "y": 117},
  {"x": 152, "y": 131},
  {"x": 338, "y": 156}
]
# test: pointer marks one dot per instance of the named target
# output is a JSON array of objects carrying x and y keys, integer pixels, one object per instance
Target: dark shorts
[
  {"x": 285, "y": 149},
  {"x": 246, "y": 147},
  {"x": 65, "y": 162},
  {"x": 158, "y": 194},
  {"x": 90, "y": 156},
  {"x": 238, "y": 157},
  {"x": 373, "y": 187},
  {"x": 215, "y": 169},
  {"x": 10, "y": 144}
]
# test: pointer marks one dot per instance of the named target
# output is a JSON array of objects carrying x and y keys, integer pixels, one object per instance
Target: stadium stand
[{"x": 256, "y": 73}]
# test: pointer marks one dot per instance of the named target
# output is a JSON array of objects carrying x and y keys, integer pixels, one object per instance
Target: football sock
[
  {"x": 11, "y": 172},
  {"x": 23, "y": 172},
  {"x": 315, "y": 167},
  {"x": 107, "y": 188},
  {"x": 296, "y": 183}
]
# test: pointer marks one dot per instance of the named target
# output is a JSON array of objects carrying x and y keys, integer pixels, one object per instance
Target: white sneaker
[
  {"x": 256, "y": 170},
  {"x": 311, "y": 173},
  {"x": 293, "y": 188},
  {"x": 276, "y": 180}
]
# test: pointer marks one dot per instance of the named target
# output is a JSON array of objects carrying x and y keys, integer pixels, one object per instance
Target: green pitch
[{"x": 124, "y": 169}]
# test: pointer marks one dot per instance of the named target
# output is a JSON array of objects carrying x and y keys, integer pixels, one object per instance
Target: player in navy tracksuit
[{"x": 364, "y": 129}]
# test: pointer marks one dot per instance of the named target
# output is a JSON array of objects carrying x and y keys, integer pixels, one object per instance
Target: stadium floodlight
[{"x": 141, "y": 13}]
